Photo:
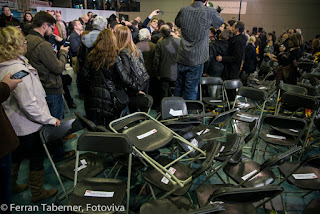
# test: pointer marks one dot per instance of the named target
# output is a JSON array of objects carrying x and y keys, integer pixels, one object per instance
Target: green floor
[{"x": 294, "y": 203}]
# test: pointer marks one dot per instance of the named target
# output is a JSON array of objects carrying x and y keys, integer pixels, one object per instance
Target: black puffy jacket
[{"x": 100, "y": 106}]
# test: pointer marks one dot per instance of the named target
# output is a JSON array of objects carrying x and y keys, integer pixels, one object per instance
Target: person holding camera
[
  {"x": 154, "y": 22},
  {"x": 195, "y": 21}
]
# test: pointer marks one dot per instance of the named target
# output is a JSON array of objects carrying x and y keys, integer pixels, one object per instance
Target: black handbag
[{"x": 120, "y": 96}]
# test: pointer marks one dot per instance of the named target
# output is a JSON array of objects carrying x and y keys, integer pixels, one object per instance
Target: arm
[
  {"x": 48, "y": 58},
  {"x": 147, "y": 20},
  {"x": 28, "y": 103},
  {"x": 217, "y": 20},
  {"x": 74, "y": 45},
  {"x": 177, "y": 20}
]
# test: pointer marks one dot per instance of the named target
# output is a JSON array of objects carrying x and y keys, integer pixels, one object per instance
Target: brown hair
[
  {"x": 124, "y": 40},
  {"x": 104, "y": 50},
  {"x": 315, "y": 44},
  {"x": 295, "y": 40}
]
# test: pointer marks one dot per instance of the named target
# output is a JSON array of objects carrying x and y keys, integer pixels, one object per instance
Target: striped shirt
[{"x": 195, "y": 21}]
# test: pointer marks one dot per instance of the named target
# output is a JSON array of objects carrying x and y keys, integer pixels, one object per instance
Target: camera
[
  {"x": 66, "y": 44},
  {"x": 160, "y": 12}
]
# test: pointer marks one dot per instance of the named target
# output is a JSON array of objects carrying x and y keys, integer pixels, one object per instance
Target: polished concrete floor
[{"x": 293, "y": 202}]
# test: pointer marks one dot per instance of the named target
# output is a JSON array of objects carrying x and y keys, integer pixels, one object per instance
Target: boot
[
  {"x": 17, "y": 188},
  {"x": 36, "y": 180}
]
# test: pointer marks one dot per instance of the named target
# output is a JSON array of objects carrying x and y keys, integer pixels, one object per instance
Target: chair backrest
[
  {"x": 253, "y": 94},
  {"x": 195, "y": 106},
  {"x": 91, "y": 126},
  {"x": 144, "y": 103},
  {"x": 223, "y": 117},
  {"x": 211, "y": 81},
  {"x": 67, "y": 126},
  {"x": 245, "y": 195},
  {"x": 293, "y": 89},
  {"x": 293, "y": 100},
  {"x": 173, "y": 106},
  {"x": 280, "y": 158},
  {"x": 232, "y": 84},
  {"x": 312, "y": 91},
  {"x": 253, "y": 128},
  {"x": 104, "y": 142}
]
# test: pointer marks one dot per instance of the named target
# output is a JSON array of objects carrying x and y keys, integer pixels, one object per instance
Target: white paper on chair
[
  {"x": 81, "y": 167},
  {"x": 166, "y": 180},
  {"x": 215, "y": 101},
  {"x": 243, "y": 105},
  {"x": 220, "y": 129},
  {"x": 304, "y": 176},
  {"x": 99, "y": 194},
  {"x": 262, "y": 88},
  {"x": 244, "y": 116},
  {"x": 203, "y": 132},
  {"x": 276, "y": 137},
  {"x": 293, "y": 130},
  {"x": 245, "y": 177},
  {"x": 147, "y": 134},
  {"x": 83, "y": 162},
  {"x": 175, "y": 112},
  {"x": 222, "y": 148},
  {"x": 194, "y": 142}
]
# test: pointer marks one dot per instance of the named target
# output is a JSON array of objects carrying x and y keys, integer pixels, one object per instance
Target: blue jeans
[
  {"x": 187, "y": 82},
  {"x": 5, "y": 180},
  {"x": 56, "y": 105}
]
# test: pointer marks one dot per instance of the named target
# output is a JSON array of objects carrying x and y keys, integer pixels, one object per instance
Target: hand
[
  {"x": 12, "y": 83},
  {"x": 154, "y": 13},
  {"x": 62, "y": 48},
  {"x": 57, "y": 38},
  {"x": 126, "y": 23},
  {"x": 141, "y": 92},
  {"x": 57, "y": 123},
  {"x": 219, "y": 58}
]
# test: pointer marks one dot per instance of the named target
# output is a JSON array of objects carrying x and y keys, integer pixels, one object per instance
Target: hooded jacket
[
  {"x": 26, "y": 106},
  {"x": 43, "y": 58}
]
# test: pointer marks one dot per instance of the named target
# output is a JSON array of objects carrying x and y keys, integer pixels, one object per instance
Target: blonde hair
[
  {"x": 11, "y": 43},
  {"x": 124, "y": 40},
  {"x": 252, "y": 39}
]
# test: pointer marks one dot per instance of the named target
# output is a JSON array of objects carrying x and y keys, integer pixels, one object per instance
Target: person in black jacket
[
  {"x": 212, "y": 67},
  {"x": 250, "y": 60},
  {"x": 6, "y": 16},
  {"x": 104, "y": 60}
]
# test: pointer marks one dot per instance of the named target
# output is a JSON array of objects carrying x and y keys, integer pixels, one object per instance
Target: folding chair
[
  {"x": 147, "y": 135},
  {"x": 50, "y": 134},
  {"x": 234, "y": 84},
  {"x": 211, "y": 92},
  {"x": 195, "y": 106},
  {"x": 89, "y": 125},
  {"x": 101, "y": 191},
  {"x": 235, "y": 199},
  {"x": 312, "y": 207}
]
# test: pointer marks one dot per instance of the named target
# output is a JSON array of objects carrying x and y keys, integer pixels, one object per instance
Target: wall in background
[{"x": 272, "y": 15}]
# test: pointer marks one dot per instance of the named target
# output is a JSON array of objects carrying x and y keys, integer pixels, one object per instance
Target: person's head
[
  {"x": 135, "y": 23},
  {"x": 104, "y": 50},
  {"x": 6, "y": 10},
  {"x": 160, "y": 23},
  {"x": 271, "y": 37},
  {"x": 58, "y": 17},
  {"x": 294, "y": 41},
  {"x": 230, "y": 24},
  {"x": 138, "y": 19},
  {"x": 27, "y": 17},
  {"x": 177, "y": 32},
  {"x": 291, "y": 31},
  {"x": 252, "y": 40},
  {"x": 85, "y": 18},
  {"x": 237, "y": 28},
  {"x": 315, "y": 45},
  {"x": 284, "y": 37},
  {"x": 165, "y": 30},
  {"x": 144, "y": 34},
  {"x": 154, "y": 23},
  {"x": 203, "y": 1},
  {"x": 170, "y": 24},
  {"x": 12, "y": 43},
  {"x": 212, "y": 32},
  {"x": 89, "y": 14},
  {"x": 99, "y": 23},
  {"x": 44, "y": 23},
  {"x": 224, "y": 35},
  {"x": 222, "y": 27},
  {"x": 124, "y": 40},
  {"x": 77, "y": 26}
]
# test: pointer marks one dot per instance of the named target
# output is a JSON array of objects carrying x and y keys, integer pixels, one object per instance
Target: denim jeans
[
  {"x": 5, "y": 180},
  {"x": 56, "y": 105},
  {"x": 187, "y": 82}
]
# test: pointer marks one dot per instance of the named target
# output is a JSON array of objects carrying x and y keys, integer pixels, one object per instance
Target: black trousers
[{"x": 30, "y": 147}]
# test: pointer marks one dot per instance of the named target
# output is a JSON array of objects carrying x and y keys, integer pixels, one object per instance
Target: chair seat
[
  {"x": 229, "y": 148},
  {"x": 118, "y": 187},
  {"x": 95, "y": 165},
  {"x": 288, "y": 141},
  {"x": 246, "y": 166},
  {"x": 310, "y": 184},
  {"x": 213, "y": 102},
  {"x": 312, "y": 207},
  {"x": 245, "y": 117},
  {"x": 182, "y": 172},
  {"x": 292, "y": 132},
  {"x": 244, "y": 105},
  {"x": 148, "y": 135},
  {"x": 204, "y": 192}
]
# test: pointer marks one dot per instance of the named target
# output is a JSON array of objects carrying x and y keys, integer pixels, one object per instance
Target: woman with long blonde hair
[{"x": 107, "y": 75}]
